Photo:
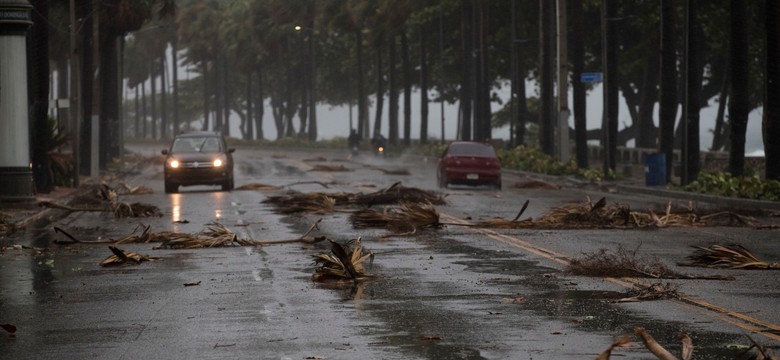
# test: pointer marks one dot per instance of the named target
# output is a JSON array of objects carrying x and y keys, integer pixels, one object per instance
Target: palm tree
[
  {"x": 772, "y": 81},
  {"x": 667, "y": 111},
  {"x": 739, "y": 105},
  {"x": 39, "y": 89}
]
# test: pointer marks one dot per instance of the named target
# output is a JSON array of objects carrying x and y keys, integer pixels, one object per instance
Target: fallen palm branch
[
  {"x": 332, "y": 168},
  {"x": 656, "y": 291},
  {"x": 733, "y": 256},
  {"x": 315, "y": 159},
  {"x": 624, "y": 263},
  {"x": 343, "y": 264},
  {"x": 120, "y": 257},
  {"x": 217, "y": 235},
  {"x": 314, "y": 203},
  {"x": 588, "y": 215},
  {"x": 257, "y": 186},
  {"x": 500, "y": 223},
  {"x": 135, "y": 190},
  {"x": 405, "y": 218},
  {"x": 397, "y": 193},
  {"x": 102, "y": 198}
]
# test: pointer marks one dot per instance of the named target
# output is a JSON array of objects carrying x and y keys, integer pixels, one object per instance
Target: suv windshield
[{"x": 206, "y": 144}]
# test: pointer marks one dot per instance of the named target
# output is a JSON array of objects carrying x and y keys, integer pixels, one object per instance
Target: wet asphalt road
[{"x": 453, "y": 293}]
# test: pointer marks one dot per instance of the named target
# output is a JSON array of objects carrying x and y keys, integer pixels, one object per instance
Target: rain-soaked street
[{"x": 457, "y": 292}]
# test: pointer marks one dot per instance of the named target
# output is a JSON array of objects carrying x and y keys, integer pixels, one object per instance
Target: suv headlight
[
  {"x": 218, "y": 162},
  {"x": 173, "y": 163}
]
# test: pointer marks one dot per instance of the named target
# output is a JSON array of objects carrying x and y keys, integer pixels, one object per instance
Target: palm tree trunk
[
  {"x": 175, "y": 83},
  {"x": 579, "y": 95},
  {"x": 206, "y": 93},
  {"x": 546, "y": 113},
  {"x": 739, "y": 105},
  {"x": 260, "y": 104},
  {"x": 380, "y": 91},
  {"x": 163, "y": 98},
  {"x": 466, "y": 93},
  {"x": 423, "y": 88},
  {"x": 611, "y": 81},
  {"x": 667, "y": 110},
  {"x": 392, "y": 118},
  {"x": 38, "y": 94},
  {"x": 772, "y": 83},
  {"x": 405, "y": 63},
  {"x": 694, "y": 78}
]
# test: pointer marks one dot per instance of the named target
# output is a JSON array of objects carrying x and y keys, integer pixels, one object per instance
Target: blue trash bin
[{"x": 655, "y": 169}]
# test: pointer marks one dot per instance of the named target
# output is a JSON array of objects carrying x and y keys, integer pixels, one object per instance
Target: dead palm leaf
[
  {"x": 651, "y": 344},
  {"x": 733, "y": 256},
  {"x": 120, "y": 257},
  {"x": 619, "y": 341},
  {"x": 343, "y": 263}
]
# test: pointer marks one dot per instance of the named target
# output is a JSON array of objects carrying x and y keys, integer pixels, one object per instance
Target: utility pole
[{"x": 563, "y": 84}]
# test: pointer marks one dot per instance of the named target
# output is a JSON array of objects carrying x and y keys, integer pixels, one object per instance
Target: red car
[{"x": 469, "y": 163}]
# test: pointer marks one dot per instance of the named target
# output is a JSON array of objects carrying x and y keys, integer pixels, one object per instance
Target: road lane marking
[{"x": 742, "y": 321}]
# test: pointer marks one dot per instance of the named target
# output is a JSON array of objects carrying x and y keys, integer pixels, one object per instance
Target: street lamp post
[{"x": 16, "y": 181}]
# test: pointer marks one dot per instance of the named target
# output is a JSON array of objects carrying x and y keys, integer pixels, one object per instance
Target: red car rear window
[{"x": 471, "y": 149}]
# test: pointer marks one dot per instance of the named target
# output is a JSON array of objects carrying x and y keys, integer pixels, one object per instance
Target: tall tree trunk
[
  {"x": 227, "y": 97},
  {"x": 361, "y": 92},
  {"x": 260, "y": 104},
  {"x": 303, "y": 82},
  {"x": 380, "y": 91},
  {"x": 289, "y": 103},
  {"x": 175, "y": 83},
  {"x": 392, "y": 118},
  {"x": 144, "y": 115},
  {"x": 109, "y": 100},
  {"x": 153, "y": 78},
  {"x": 137, "y": 112},
  {"x": 312, "y": 87},
  {"x": 218, "y": 94},
  {"x": 719, "y": 135},
  {"x": 206, "y": 93},
  {"x": 771, "y": 119},
  {"x": 423, "y": 88},
  {"x": 482, "y": 114},
  {"x": 246, "y": 125},
  {"x": 163, "y": 98},
  {"x": 611, "y": 81},
  {"x": 546, "y": 60},
  {"x": 667, "y": 109},
  {"x": 38, "y": 89},
  {"x": 694, "y": 78},
  {"x": 648, "y": 94},
  {"x": 579, "y": 94},
  {"x": 466, "y": 86},
  {"x": 85, "y": 9},
  {"x": 739, "y": 105},
  {"x": 407, "y": 69}
]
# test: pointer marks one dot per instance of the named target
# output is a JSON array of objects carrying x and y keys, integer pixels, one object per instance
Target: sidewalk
[{"x": 16, "y": 216}]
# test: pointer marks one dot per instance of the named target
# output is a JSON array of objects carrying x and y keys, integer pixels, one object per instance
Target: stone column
[{"x": 16, "y": 182}]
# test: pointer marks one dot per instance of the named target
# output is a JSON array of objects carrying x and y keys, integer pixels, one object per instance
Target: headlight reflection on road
[{"x": 176, "y": 207}]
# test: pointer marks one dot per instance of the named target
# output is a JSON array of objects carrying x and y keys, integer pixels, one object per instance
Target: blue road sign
[{"x": 592, "y": 77}]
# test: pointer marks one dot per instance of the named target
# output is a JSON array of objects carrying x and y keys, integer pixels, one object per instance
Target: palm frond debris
[
  {"x": 407, "y": 217},
  {"x": 625, "y": 263},
  {"x": 345, "y": 262},
  {"x": 120, "y": 257},
  {"x": 732, "y": 256}
]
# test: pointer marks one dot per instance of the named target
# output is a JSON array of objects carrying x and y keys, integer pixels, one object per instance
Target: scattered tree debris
[
  {"x": 102, "y": 198},
  {"x": 732, "y": 256},
  {"x": 500, "y": 223},
  {"x": 407, "y": 217},
  {"x": 332, "y": 168},
  {"x": 624, "y": 263},
  {"x": 588, "y": 215},
  {"x": 315, "y": 159},
  {"x": 121, "y": 257},
  {"x": 217, "y": 235},
  {"x": 192, "y": 284},
  {"x": 389, "y": 171},
  {"x": 134, "y": 190},
  {"x": 314, "y": 203},
  {"x": 655, "y": 291},
  {"x": 257, "y": 186},
  {"x": 343, "y": 264},
  {"x": 397, "y": 193}
]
